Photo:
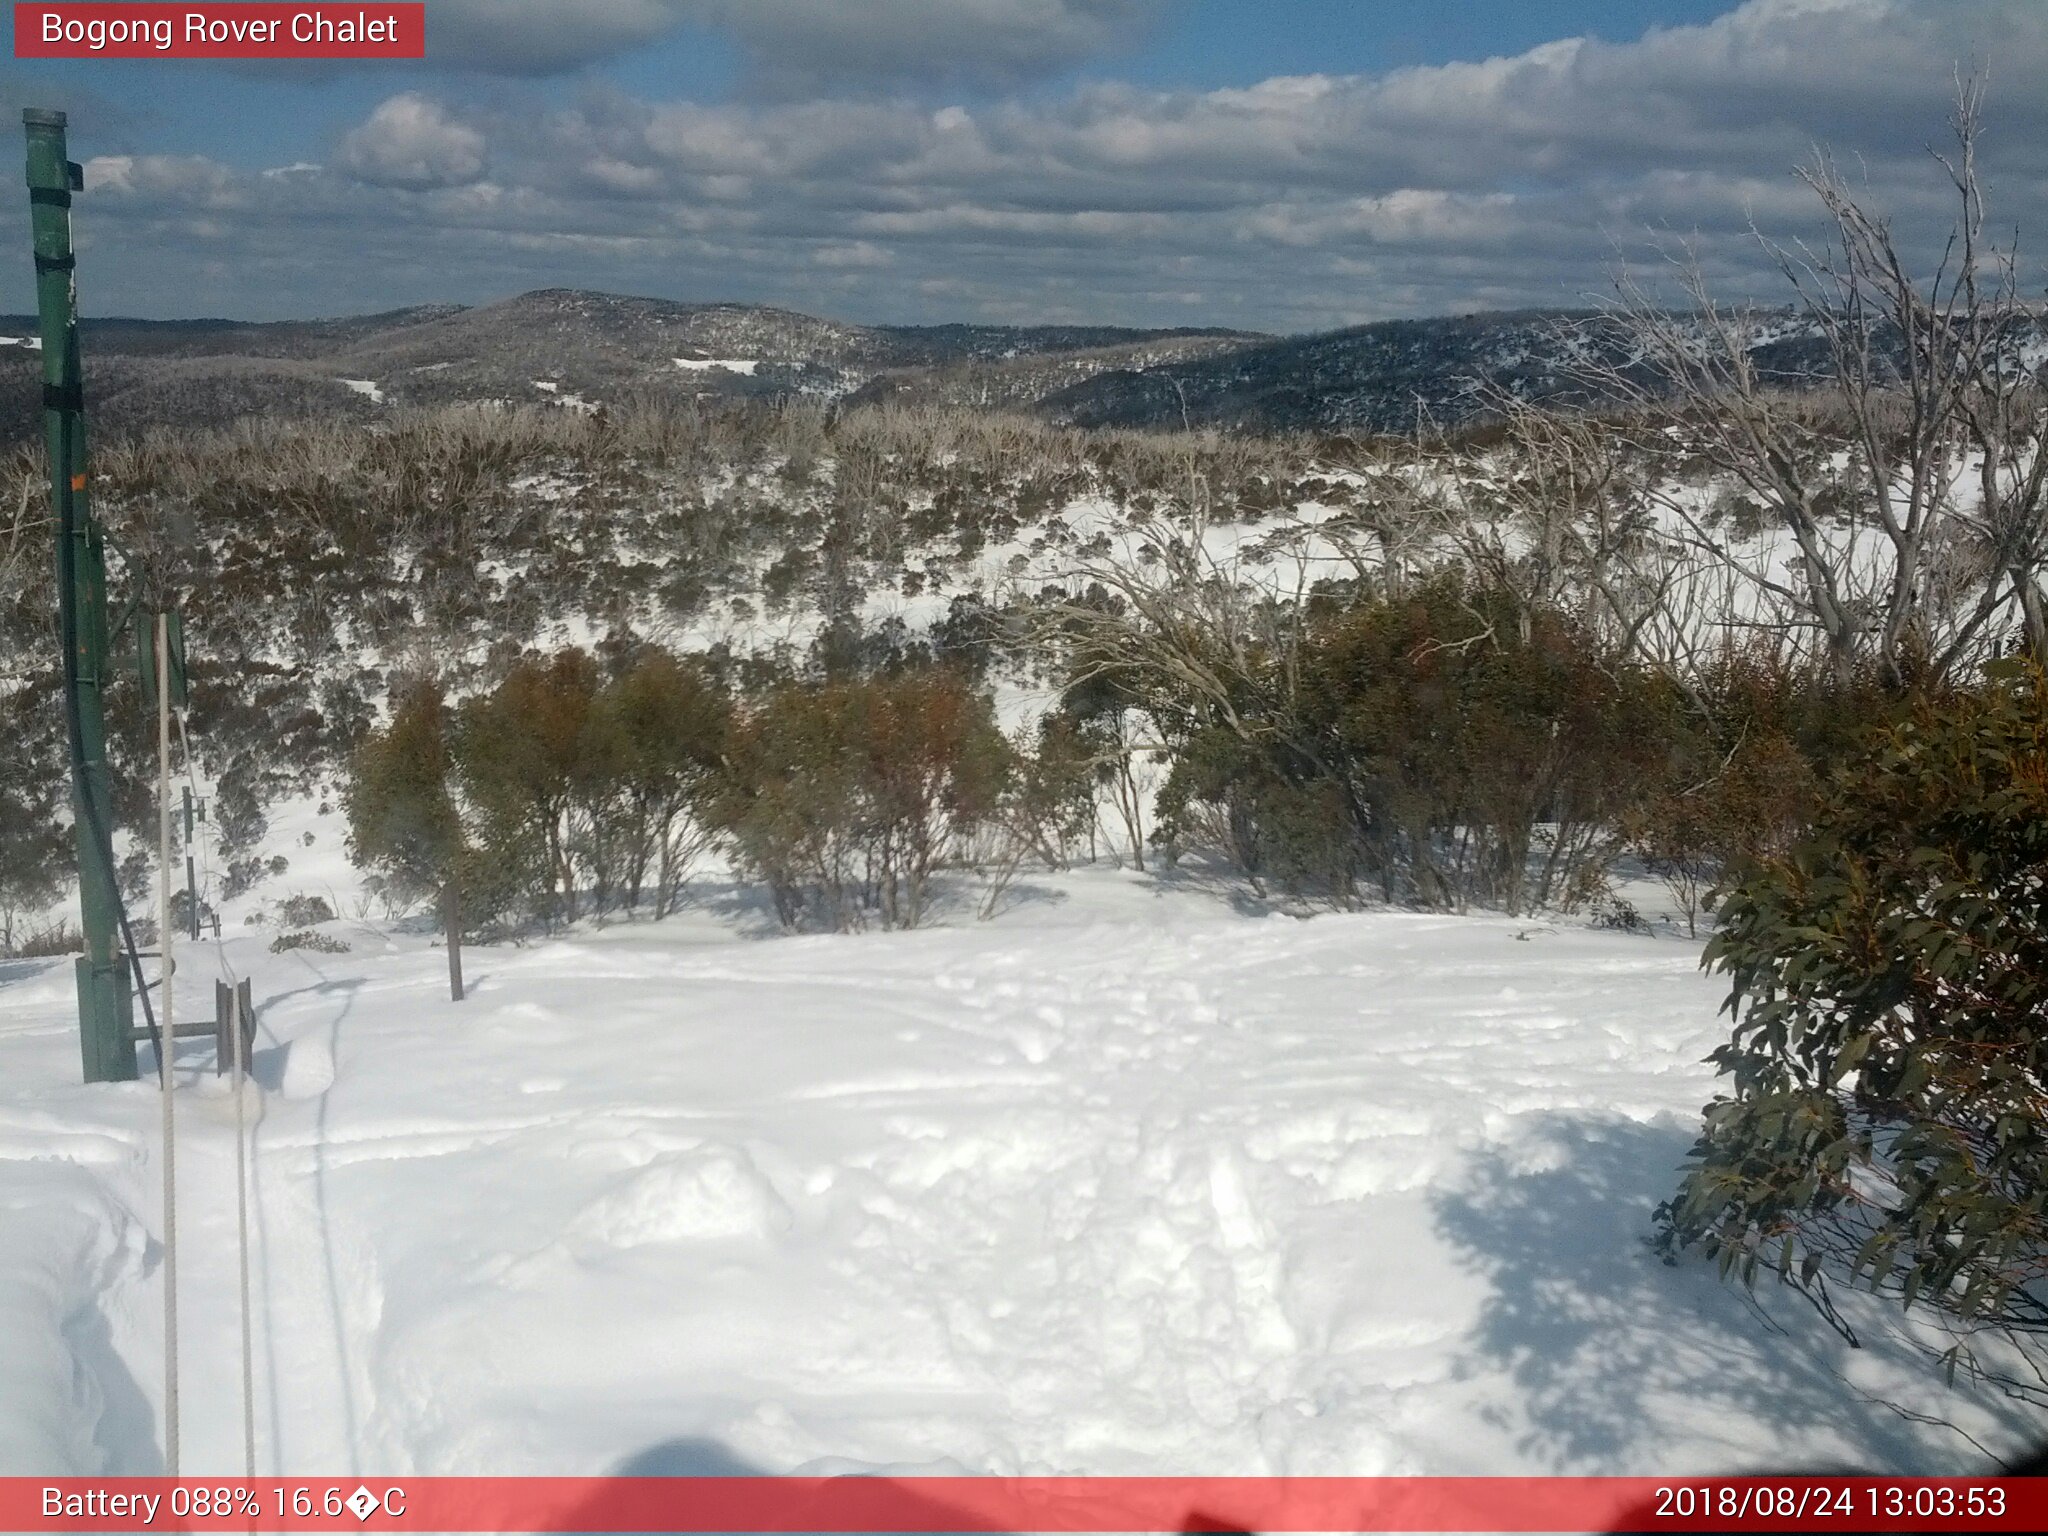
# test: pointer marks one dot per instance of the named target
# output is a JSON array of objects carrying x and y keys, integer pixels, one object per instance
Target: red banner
[
  {"x": 995, "y": 1504},
  {"x": 98, "y": 31}
]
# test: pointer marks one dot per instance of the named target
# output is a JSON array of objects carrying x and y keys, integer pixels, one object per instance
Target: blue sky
[
  {"x": 1285, "y": 165},
  {"x": 258, "y": 115}
]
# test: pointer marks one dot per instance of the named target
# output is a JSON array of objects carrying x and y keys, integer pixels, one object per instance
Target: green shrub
[
  {"x": 35, "y": 842},
  {"x": 303, "y": 911},
  {"x": 307, "y": 938},
  {"x": 530, "y": 772},
  {"x": 1453, "y": 745},
  {"x": 1744, "y": 780},
  {"x": 559, "y": 782},
  {"x": 402, "y": 816},
  {"x": 1887, "y": 1112},
  {"x": 60, "y": 939},
  {"x": 655, "y": 736},
  {"x": 844, "y": 797}
]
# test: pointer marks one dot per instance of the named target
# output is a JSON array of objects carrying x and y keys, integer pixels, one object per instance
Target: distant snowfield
[
  {"x": 368, "y": 388},
  {"x": 1123, "y": 1181},
  {"x": 570, "y": 400},
  {"x": 723, "y": 364}
]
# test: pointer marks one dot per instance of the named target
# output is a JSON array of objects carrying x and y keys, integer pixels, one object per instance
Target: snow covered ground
[{"x": 1127, "y": 1180}]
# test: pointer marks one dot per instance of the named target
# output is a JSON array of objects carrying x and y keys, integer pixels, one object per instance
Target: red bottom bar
[{"x": 1024, "y": 1504}]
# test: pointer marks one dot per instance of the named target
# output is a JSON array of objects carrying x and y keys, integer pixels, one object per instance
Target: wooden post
[
  {"x": 233, "y": 1012},
  {"x": 451, "y": 906}
]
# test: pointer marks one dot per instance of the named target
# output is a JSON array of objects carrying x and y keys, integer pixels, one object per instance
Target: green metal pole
[{"x": 104, "y": 1001}]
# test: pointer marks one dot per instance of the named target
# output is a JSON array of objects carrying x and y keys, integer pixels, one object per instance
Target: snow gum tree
[
  {"x": 1910, "y": 496},
  {"x": 660, "y": 729},
  {"x": 844, "y": 797},
  {"x": 402, "y": 815},
  {"x": 525, "y": 761},
  {"x": 1886, "y": 1115},
  {"x": 560, "y": 782}
]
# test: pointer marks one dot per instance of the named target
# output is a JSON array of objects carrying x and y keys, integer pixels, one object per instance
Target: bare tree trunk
[
  {"x": 664, "y": 875},
  {"x": 1922, "y": 383},
  {"x": 1130, "y": 805}
]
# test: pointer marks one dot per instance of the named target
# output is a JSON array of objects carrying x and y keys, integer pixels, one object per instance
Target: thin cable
[
  {"x": 241, "y": 1058},
  {"x": 167, "y": 1036},
  {"x": 242, "y": 1229},
  {"x": 220, "y": 947}
]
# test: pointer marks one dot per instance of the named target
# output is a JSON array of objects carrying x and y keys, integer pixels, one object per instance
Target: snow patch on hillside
[{"x": 566, "y": 399}]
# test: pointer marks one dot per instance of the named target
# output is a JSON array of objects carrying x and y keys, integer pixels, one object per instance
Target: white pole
[
  {"x": 242, "y": 1223},
  {"x": 166, "y": 1038},
  {"x": 242, "y": 1143}
]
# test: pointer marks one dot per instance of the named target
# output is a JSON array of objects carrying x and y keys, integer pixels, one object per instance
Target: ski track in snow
[{"x": 1117, "y": 1184}]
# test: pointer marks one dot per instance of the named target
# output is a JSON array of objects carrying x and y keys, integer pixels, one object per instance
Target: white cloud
[
  {"x": 851, "y": 253},
  {"x": 183, "y": 182},
  {"x": 410, "y": 141},
  {"x": 797, "y": 45},
  {"x": 1290, "y": 203},
  {"x": 542, "y": 37}
]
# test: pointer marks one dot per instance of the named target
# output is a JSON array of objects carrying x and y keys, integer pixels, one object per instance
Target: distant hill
[
  {"x": 567, "y": 346},
  {"x": 1383, "y": 377},
  {"x": 1026, "y": 380},
  {"x": 580, "y": 350},
  {"x": 282, "y": 339}
]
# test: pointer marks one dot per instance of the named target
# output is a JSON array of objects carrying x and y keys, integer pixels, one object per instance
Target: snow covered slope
[{"x": 1121, "y": 1182}]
